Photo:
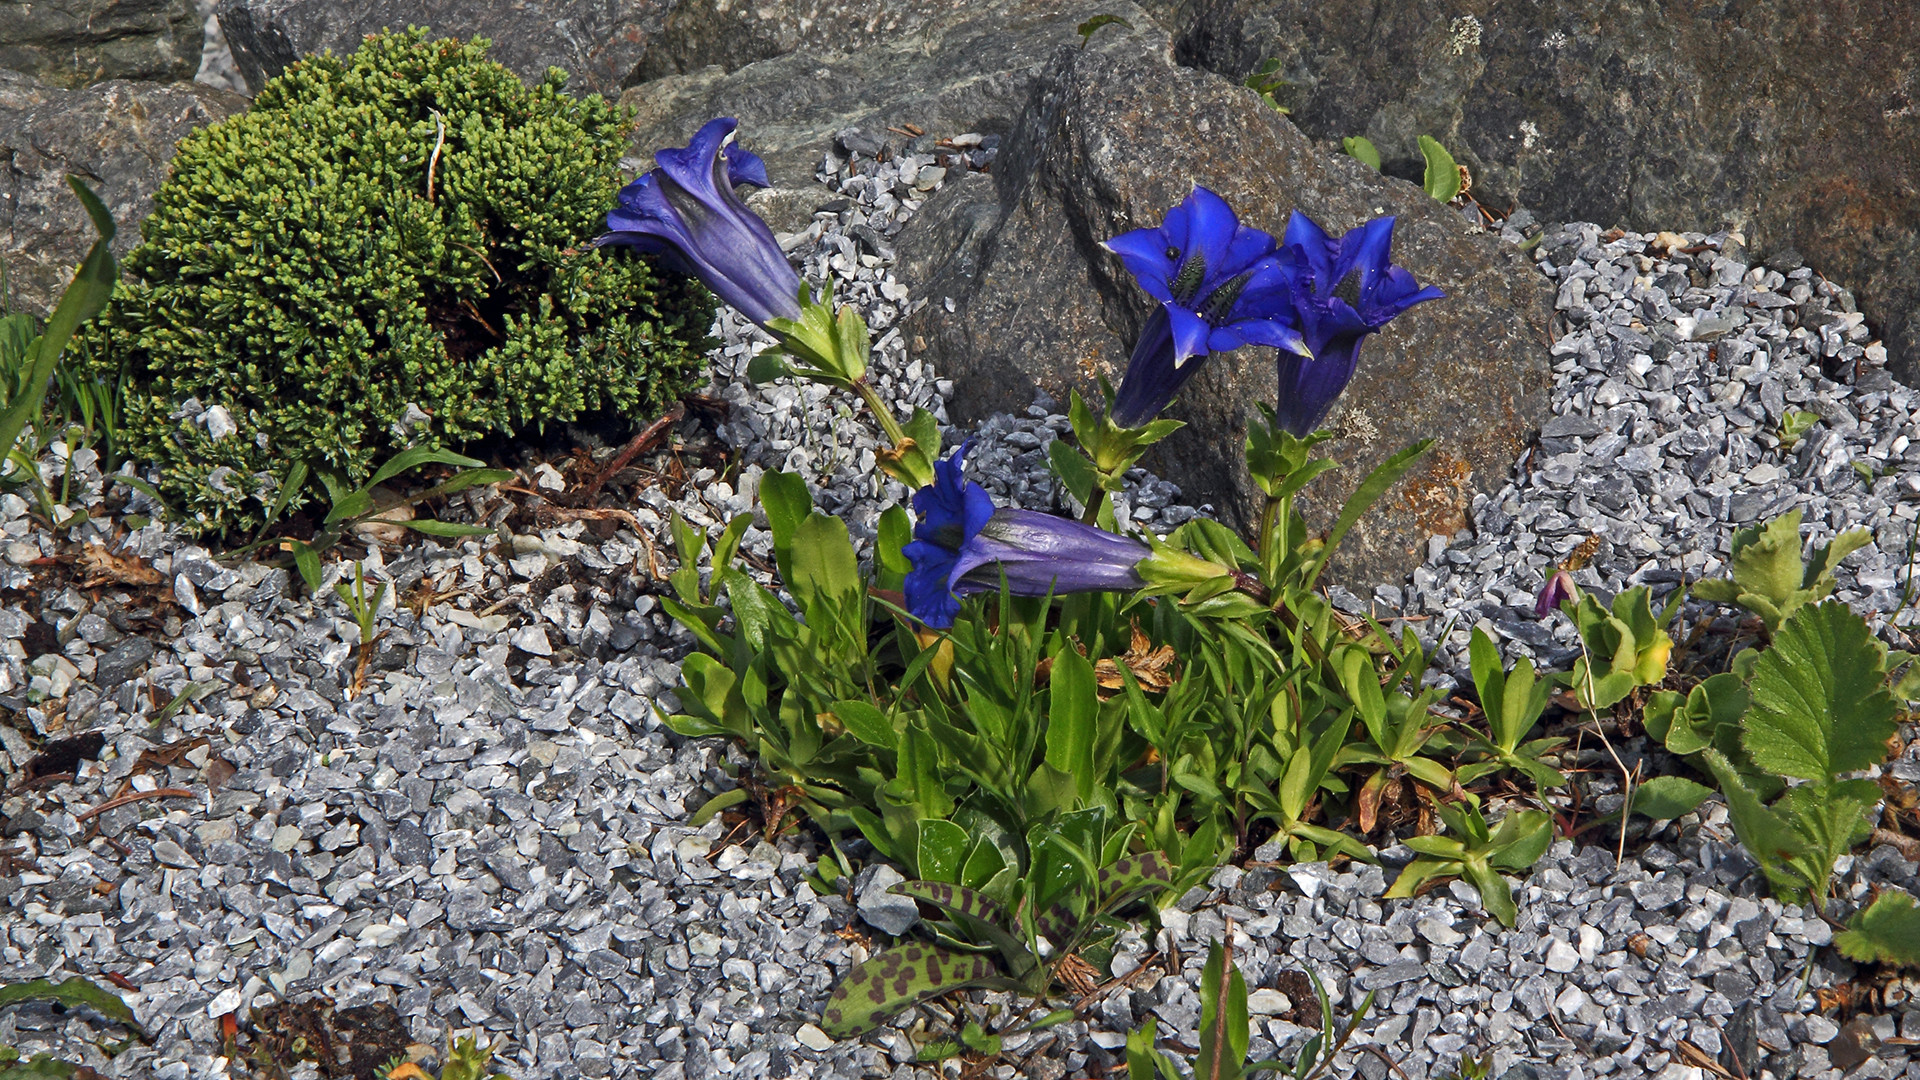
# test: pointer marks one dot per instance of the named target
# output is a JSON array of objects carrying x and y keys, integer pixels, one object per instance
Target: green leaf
[
  {"x": 784, "y": 496},
  {"x": 92, "y": 286},
  {"x": 1073, "y": 714},
  {"x": 1369, "y": 492},
  {"x": 1362, "y": 148},
  {"x": 1496, "y": 895},
  {"x": 1771, "y": 841},
  {"x": 1886, "y": 931},
  {"x": 767, "y": 365},
  {"x": 823, "y": 563},
  {"x": 307, "y": 561},
  {"x": 1443, "y": 176},
  {"x": 1666, "y": 797},
  {"x": 1224, "y": 1033},
  {"x": 1076, "y": 473},
  {"x": 896, "y": 532},
  {"x": 431, "y": 527},
  {"x": 867, "y": 723},
  {"x": 296, "y": 479},
  {"x": 712, "y": 807},
  {"x": 73, "y": 993},
  {"x": 1820, "y": 704},
  {"x": 955, "y": 900},
  {"x": 1086, "y": 29},
  {"x": 938, "y": 852},
  {"x": 1143, "y": 1061},
  {"x": 418, "y": 456},
  {"x": 892, "y": 980}
]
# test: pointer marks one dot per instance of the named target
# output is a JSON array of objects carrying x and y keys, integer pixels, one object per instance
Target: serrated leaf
[
  {"x": 892, "y": 980},
  {"x": 1886, "y": 931},
  {"x": 1666, "y": 797},
  {"x": 75, "y": 992},
  {"x": 1820, "y": 704},
  {"x": 1770, "y": 840}
]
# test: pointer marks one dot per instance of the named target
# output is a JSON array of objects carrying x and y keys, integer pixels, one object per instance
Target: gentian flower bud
[
  {"x": 1559, "y": 588},
  {"x": 685, "y": 212}
]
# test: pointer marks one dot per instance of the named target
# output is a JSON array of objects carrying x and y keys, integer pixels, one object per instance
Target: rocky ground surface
[{"x": 491, "y": 834}]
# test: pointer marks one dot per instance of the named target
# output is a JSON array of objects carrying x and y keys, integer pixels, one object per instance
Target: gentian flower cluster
[
  {"x": 685, "y": 211},
  {"x": 1342, "y": 291},
  {"x": 964, "y": 544},
  {"x": 1222, "y": 285}
]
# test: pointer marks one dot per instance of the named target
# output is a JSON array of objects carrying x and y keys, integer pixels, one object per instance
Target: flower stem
[
  {"x": 1092, "y": 514},
  {"x": 881, "y": 412}
]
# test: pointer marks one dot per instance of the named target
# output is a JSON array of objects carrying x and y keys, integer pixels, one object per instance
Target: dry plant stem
[
  {"x": 1220, "y": 1001},
  {"x": 561, "y": 513},
  {"x": 439, "y": 140},
  {"x": 649, "y": 435},
  {"x": 1909, "y": 846},
  {"x": 133, "y": 797},
  {"x": 1626, "y": 778}
]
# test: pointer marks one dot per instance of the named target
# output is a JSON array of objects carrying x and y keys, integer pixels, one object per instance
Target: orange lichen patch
[{"x": 1439, "y": 494}]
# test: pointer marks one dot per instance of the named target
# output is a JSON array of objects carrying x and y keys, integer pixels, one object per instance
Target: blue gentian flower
[
  {"x": 1343, "y": 290},
  {"x": 964, "y": 544},
  {"x": 685, "y": 212},
  {"x": 1220, "y": 284}
]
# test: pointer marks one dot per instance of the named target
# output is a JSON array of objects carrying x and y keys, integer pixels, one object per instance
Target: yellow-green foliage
[{"x": 314, "y": 268}]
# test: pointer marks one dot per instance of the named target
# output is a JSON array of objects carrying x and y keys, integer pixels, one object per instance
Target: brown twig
[
  {"x": 439, "y": 140},
  {"x": 1909, "y": 846},
  {"x": 133, "y": 797},
  {"x": 649, "y": 435}
]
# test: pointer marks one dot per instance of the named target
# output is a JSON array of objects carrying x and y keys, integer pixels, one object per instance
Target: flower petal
[
  {"x": 1190, "y": 333},
  {"x": 1144, "y": 253}
]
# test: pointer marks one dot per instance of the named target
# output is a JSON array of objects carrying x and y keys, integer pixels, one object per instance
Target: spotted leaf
[
  {"x": 895, "y": 979},
  {"x": 954, "y": 899}
]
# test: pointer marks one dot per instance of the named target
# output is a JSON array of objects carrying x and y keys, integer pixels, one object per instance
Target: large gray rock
[
  {"x": 1795, "y": 122},
  {"x": 1118, "y": 133},
  {"x": 76, "y": 42},
  {"x": 598, "y": 42},
  {"x": 946, "y": 68},
  {"x": 119, "y": 136},
  {"x": 607, "y": 45}
]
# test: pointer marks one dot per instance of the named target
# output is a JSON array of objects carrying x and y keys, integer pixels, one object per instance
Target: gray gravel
[{"x": 492, "y": 835}]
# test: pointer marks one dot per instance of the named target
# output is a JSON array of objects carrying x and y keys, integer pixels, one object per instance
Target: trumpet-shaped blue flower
[
  {"x": 1220, "y": 284},
  {"x": 964, "y": 544},
  {"x": 685, "y": 212},
  {"x": 1343, "y": 290}
]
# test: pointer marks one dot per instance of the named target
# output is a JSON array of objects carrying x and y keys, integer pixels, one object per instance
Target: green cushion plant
[{"x": 388, "y": 250}]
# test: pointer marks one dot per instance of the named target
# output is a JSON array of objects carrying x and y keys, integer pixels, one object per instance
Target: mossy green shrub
[{"x": 385, "y": 251}]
